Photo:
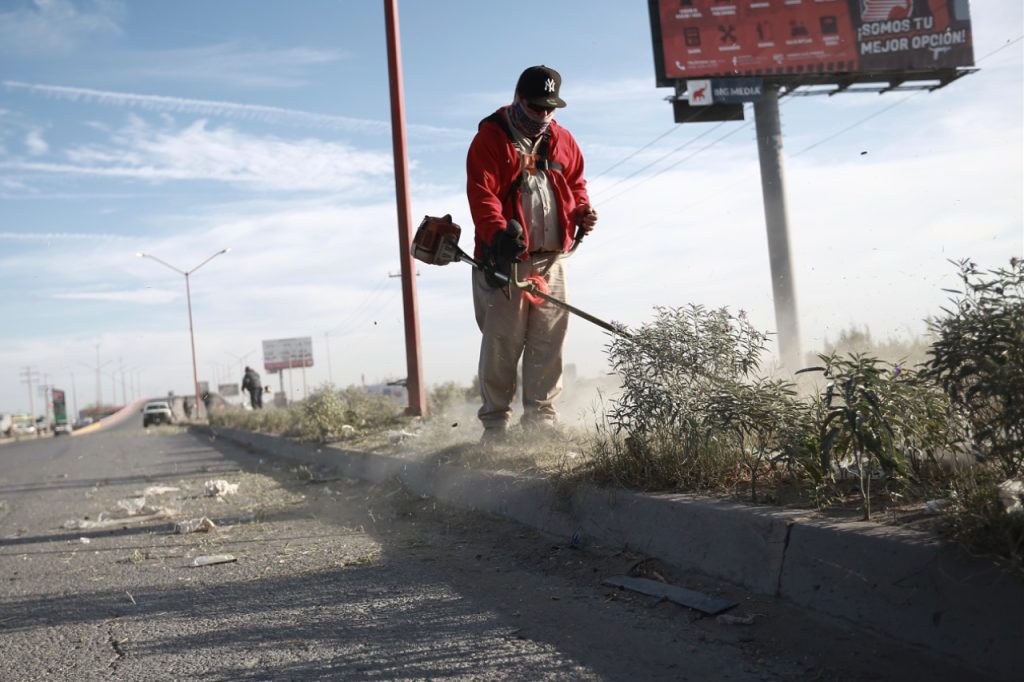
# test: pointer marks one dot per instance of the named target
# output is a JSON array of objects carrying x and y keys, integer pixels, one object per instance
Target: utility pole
[
  {"x": 99, "y": 389},
  {"x": 27, "y": 376},
  {"x": 330, "y": 371},
  {"x": 74, "y": 398},
  {"x": 124, "y": 393}
]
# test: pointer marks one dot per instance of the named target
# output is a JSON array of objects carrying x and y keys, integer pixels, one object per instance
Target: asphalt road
[{"x": 337, "y": 580}]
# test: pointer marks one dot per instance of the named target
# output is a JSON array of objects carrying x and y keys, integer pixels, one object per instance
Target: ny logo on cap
[{"x": 549, "y": 85}]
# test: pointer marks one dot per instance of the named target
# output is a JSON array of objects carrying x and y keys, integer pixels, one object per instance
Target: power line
[
  {"x": 627, "y": 158},
  {"x": 681, "y": 161},
  {"x": 663, "y": 157}
]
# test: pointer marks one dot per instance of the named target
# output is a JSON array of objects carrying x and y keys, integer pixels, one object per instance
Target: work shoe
[
  {"x": 494, "y": 436},
  {"x": 546, "y": 429}
]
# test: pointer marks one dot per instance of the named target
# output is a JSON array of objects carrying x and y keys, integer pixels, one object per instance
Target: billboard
[
  {"x": 808, "y": 39},
  {"x": 60, "y": 409},
  {"x": 281, "y": 354},
  {"x": 228, "y": 390}
]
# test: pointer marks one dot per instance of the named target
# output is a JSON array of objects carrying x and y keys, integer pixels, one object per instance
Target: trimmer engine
[{"x": 437, "y": 241}]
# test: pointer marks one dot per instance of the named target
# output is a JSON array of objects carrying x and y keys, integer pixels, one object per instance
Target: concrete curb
[{"x": 901, "y": 583}]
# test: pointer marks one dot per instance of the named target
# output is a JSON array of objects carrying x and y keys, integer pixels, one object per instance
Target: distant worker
[
  {"x": 252, "y": 383},
  {"x": 528, "y": 197},
  {"x": 187, "y": 405}
]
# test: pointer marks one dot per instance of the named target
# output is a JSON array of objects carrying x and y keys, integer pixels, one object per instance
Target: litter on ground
[
  {"x": 220, "y": 487},
  {"x": 211, "y": 559},
  {"x": 727, "y": 619},
  {"x": 159, "y": 490},
  {"x": 107, "y": 521},
  {"x": 132, "y": 505},
  {"x": 201, "y": 525},
  {"x": 1011, "y": 494}
]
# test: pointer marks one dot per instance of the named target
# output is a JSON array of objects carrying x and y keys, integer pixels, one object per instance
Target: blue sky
[{"x": 179, "y": 129}]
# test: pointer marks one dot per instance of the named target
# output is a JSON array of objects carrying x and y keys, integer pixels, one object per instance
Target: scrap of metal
[{"x": 705, "y": 603}]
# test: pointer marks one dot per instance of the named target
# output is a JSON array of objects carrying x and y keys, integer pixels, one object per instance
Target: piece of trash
[
  {"x": 937, "y": 506},
  {"x": 84, "y": 540},
  {"x": 131, "y": 597},
  {"x": 201, "y": 525},
  {"x": 220, "y": 487},
  {"x": 647, "y": 568},
  {"x": 705, "y": 603},
  {"x": 211, "y": 559},
  {"x": 1011, "y": 494},
  {"x": 576, "y": 541},
  {"x": 727, "y": 619},
  {"x": 347, "y": 430},
  {"x": 132, "y": 505},
  {"x": 159, "y": 490},
  {"x": 106, "y": 521},
  {"x": 399, "y": 436}
]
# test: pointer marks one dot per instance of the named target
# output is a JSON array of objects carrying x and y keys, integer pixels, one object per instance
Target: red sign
[{"x": 704, "y": 38}]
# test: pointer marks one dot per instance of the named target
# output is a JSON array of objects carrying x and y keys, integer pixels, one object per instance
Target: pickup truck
[{"x": 157, "y": 412}]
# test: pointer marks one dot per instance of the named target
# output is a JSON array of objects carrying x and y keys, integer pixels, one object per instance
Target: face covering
[{"x": 526, "y": 120}]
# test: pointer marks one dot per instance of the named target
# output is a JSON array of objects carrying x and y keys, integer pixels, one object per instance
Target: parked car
[
  {"x": 62, "y": 428},
  {"x": 23, "y": 428},
  {"x": 157, "y": 412},
  {"x": 82, "y": 423}
]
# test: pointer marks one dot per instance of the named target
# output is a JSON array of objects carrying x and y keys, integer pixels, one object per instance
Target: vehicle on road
[{"x": 157, "y": 412}]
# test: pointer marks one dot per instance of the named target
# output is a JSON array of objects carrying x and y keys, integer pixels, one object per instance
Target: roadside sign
[
  {"x": 288, "y": 353},
  {"x": 700, "y": 93},
  {"x": 227, "y": 390},
  {"x": 733, "y": 90}
]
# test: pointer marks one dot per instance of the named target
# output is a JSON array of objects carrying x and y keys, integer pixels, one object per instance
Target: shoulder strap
[{"x": 543, "y": 162}]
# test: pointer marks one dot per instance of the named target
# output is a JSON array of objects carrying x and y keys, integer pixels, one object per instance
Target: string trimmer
[{"x": 437, "y": 243}]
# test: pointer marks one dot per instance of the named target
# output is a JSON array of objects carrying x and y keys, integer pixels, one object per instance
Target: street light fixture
[{"x": 188, "y": 298}]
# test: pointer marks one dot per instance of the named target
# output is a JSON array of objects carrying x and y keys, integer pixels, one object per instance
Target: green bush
[
  {"x": 447, "y": 396},
  {"x": 691, "y": 410},
  {"x": 366, "y": 410},
  {"x": 978, "y": 359},
  {"x": 321, "y": 415}
]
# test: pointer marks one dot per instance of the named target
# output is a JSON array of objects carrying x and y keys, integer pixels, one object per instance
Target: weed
[{"x": 978, "y": 359}]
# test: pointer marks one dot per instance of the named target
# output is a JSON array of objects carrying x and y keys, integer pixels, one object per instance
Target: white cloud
[
  {"x": 219, "y": 108},
  {"x": 131, "y": 296},
  {"x": 201, "y": 152},
  {"x": 231, "y": 64},
  {"x": 35, "y": 143},
  {"x": 58, "y": 236},
  {"x": 56, "y": 26}
]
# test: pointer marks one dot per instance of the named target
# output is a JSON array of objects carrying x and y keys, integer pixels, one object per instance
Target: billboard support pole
[{"x": 769, "y": 151}]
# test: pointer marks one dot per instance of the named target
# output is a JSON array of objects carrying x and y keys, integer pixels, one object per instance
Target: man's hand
[
  {"x": 509, "y": 243},
  {"x": 586, "y": 217}
]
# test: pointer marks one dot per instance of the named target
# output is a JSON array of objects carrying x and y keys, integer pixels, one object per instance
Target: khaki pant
[{"x": 514, "y": 327}]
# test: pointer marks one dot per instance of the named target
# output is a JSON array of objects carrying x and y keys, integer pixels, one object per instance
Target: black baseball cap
[{"x": 539, "y": 86}]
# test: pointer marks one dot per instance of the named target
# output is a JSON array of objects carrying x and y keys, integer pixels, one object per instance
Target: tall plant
[
  {"x": 858, "y": 418},
  {"x": 669, "y": 367},
  {"x": 759, "y": 418},
  {"x": 978, "y": 358}
]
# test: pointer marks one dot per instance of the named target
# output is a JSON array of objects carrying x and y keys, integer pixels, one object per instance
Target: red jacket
[{"x": 493, "y": 163}]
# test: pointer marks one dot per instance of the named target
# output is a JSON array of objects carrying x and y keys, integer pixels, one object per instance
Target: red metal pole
[{"x": 414, "y": 381}]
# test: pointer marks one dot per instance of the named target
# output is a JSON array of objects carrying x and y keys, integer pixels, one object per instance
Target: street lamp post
[{"x": 188, "y": 298}]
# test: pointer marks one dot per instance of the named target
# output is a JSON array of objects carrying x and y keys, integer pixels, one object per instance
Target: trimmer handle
[{"x": 576, "y": 240}]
